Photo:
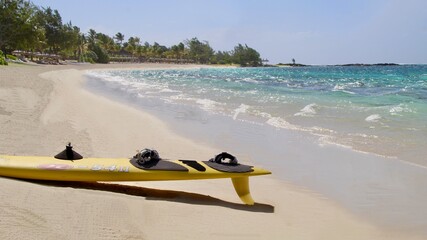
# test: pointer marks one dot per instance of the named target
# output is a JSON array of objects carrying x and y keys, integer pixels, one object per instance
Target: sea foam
[
  {"x": 281, "y": 123},
  {"x": 241, "y": 109},
  {"x": 401, "y": 108},
  {"x": 208, "y": 105},
  {"x": 373, "y": 118},
  {"x": 308, "y": 111}
]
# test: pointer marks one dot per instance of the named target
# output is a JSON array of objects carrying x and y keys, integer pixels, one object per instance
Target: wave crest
[{"x": 308, "y": 111}]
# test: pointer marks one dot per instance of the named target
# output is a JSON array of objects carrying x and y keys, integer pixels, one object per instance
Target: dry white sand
[{"x": 44, "y": 107}]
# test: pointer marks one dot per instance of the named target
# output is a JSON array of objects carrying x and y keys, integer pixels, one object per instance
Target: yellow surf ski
[{"x": 145, "y": 166}]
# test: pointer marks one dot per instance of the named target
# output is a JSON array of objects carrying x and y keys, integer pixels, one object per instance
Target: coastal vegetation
[
  {"x": 2, "y": 59},
  {"x": 28, "y": 29}
]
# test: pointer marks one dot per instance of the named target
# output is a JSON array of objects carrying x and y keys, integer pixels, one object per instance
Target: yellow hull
[{"x": 115, "y": 169}]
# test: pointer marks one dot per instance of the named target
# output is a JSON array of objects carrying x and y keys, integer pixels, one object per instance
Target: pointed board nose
[{"x": 259, "y": 171}]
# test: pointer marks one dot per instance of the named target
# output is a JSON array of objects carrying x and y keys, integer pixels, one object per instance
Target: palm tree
[
  {"x": 133, "y": 44},
  {"x": 91, "y": 36},
  {"x": 120, "y": 37},
  {"x": 105, "y": 42},
  {"x": 181, "y": 50},
  {"x": 82, "y": 47}
]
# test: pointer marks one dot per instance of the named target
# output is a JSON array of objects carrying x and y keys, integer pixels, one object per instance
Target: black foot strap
[
  {"x": 158, "y": 164},
  {"x": 226, "y": 162}
]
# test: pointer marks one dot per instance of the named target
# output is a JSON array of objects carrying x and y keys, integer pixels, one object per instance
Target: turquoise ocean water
[{"x": 375, "y": 109}]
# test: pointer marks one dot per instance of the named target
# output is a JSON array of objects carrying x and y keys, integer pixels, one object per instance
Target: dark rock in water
[{"x": 291, "y": 65}]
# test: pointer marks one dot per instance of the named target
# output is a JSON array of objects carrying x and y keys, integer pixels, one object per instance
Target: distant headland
[
  {"x": 336, "y": 65},
  {"x": 365, "y": 65}
]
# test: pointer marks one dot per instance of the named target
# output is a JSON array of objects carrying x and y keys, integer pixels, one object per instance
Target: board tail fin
[{"x": 241, "y": 185}]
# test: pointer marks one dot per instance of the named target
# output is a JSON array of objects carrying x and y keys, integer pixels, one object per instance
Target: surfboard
[{"x": 73, "y": 167}]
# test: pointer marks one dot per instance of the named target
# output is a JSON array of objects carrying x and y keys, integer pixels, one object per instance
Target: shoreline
[
  {"x": 364, "y": 125},
  {"x": 45, "y": 113}
]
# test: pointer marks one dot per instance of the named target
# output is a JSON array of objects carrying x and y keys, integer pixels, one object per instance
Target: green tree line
[{"x": 25, "y": 26}]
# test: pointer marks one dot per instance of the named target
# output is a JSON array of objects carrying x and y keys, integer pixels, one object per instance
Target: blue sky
[{"x": 312, "y": 32}]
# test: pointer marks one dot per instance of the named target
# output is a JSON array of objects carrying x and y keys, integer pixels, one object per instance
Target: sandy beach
[{"x": 42, "y": 108}]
